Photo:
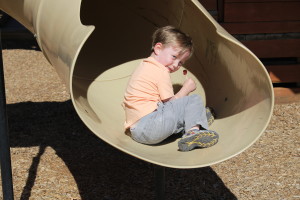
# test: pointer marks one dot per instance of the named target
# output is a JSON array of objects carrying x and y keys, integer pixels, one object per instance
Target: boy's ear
[{"x": 157, "y": 48}]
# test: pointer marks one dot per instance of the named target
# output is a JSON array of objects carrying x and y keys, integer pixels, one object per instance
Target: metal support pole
[
  {"x": 6, "y": 172},
  {"x": 159, "y": 182}
]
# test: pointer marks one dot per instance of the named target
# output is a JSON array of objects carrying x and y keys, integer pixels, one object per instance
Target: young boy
[{"x": 152, "y": 111}]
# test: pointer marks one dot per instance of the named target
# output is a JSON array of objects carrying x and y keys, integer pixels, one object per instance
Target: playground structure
[{"x": 95, "y": 52}]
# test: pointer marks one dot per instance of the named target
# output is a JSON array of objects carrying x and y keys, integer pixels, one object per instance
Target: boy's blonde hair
[{"x": 169, "y": 35}]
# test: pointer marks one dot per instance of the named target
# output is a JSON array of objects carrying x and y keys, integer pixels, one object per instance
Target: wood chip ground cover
[{"x": 55, "y": 157}]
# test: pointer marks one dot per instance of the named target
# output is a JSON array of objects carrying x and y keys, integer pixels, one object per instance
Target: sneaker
[
  {"x": 210, "y": 115},
  {"x": 197, "y": 138}
]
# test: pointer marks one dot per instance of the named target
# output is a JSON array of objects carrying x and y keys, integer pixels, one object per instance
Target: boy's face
[{"x": 170, "y": 56}]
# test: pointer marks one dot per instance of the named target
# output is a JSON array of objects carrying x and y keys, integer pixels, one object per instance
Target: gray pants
[{"x": 170, "y": 118}]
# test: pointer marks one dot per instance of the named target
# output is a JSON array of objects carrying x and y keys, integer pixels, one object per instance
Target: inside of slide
[{"x": 230, "y": 79}]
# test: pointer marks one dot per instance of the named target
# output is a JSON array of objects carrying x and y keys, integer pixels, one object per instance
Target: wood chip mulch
[{"x": 55, "y": 157}]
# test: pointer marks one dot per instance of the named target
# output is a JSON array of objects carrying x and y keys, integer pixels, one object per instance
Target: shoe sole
[{"x": 203, "y": 139}]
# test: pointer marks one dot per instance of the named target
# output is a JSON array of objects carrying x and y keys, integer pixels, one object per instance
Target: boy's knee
[{"x": 196, "y": 97}]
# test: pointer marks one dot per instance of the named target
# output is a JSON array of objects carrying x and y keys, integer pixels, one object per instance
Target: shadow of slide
[{"x": 100, "y": 171}]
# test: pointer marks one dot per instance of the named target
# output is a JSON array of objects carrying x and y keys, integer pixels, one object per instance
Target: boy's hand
[{"x": 189, "y": 85}]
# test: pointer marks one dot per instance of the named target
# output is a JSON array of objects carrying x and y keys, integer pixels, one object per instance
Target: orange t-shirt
[{"x": 149, "y": 84}]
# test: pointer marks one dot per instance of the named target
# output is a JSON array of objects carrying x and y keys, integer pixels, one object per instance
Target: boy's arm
[{"x": 188, "y": 87}]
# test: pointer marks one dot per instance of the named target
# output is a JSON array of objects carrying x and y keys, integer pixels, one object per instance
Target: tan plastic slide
[{"x": 96, "y": 59}]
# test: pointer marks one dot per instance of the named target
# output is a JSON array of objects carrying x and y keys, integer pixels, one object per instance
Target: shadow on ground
[{"x": 100, "y": 171}]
